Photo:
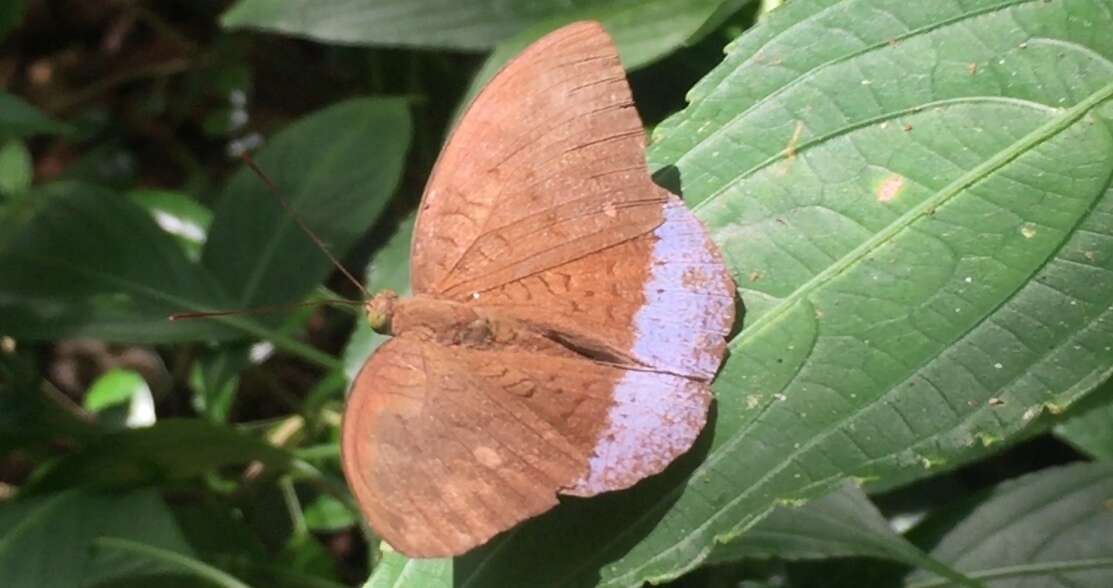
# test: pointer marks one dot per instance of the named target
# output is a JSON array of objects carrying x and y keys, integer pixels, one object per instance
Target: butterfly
[{"x": 568, "y": 314}]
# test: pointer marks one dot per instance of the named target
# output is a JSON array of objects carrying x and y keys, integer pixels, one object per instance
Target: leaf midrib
[{"x": 1042, "y": 133}]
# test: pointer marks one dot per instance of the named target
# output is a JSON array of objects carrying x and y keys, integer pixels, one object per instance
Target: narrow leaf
[
  {"x": 337, "y": 169},
  {"x": 173, "y": 449}
]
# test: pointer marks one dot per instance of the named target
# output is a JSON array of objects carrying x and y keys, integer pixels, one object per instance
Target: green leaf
[
  {"x": 389, "y": 269},
  {"x": 91, "y": 252},
  {"x": 1051, "y": 528},
  {"x": 1089, "y": 424},
  {"x": 214, "y": 378},
  {"x": 178, "y": 214},
  {"x": 20, "y": 119},
  {"x": 49, "y": 540},
  {"x": 16, "y": 168},
  {"x": 122, "y": 398},
  {"x": 114, "y": 387},
  {"x": 395, "y": 571},
  {"x": 11, "y": 14},
  {"x": 327, "y": 514},
  {"x": 172, "y": 559},
  {"x": 924, "y": 249},
  {"x": 644, "y": 31},
  {"x": 455, "y": 24},
  {"x": 337, "y": 169},
  {"x": 173, "y": 449},
  {"x": 31, "y": 413},
  {"x": 94, "y": 264},
  {"x": 843, "y": 523}
]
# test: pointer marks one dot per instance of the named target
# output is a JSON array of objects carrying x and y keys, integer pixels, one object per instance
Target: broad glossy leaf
[
  {"x": 92, "y": 263},
  {"x": 1053, "y": 528},
  {"x": 395, "y": 571},
  {"x": 454, "y": 24},
  {"x": 337, "y": 169},
  {"x": 20, "y": 119},
  {"x": 389, "y": 268},
  {"x": 843, "y": 523},
  {"x": 914, "y": 199},
  {"x": 1089, "y": 424},
  {"x": 49, "y": 540},
  {"x": 173, "y": 449}
]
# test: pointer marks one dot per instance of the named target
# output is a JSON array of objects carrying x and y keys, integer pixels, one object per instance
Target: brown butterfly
[{"x": 567, "y": 319}]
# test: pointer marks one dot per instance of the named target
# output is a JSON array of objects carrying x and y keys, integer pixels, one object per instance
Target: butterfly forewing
[{"x": 547, "y": 165}]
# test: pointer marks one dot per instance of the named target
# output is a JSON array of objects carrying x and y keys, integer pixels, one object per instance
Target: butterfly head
[{"x": 380, "y": 310}]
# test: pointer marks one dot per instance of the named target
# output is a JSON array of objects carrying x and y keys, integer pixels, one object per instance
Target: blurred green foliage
[{"x": 834, "y": 140}]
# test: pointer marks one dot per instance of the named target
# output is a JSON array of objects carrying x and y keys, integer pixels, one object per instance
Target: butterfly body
[{"x": 568, "y": 317}]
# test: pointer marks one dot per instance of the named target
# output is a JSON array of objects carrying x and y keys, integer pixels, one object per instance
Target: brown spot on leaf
[
  {"x": 889, "y": 188},
  {"x": 790, "y": 148}
]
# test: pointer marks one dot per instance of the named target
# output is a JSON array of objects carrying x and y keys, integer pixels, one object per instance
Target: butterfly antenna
[
  {"x": 301, "y": 224},
  {"x": 260, "y": 309}
]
